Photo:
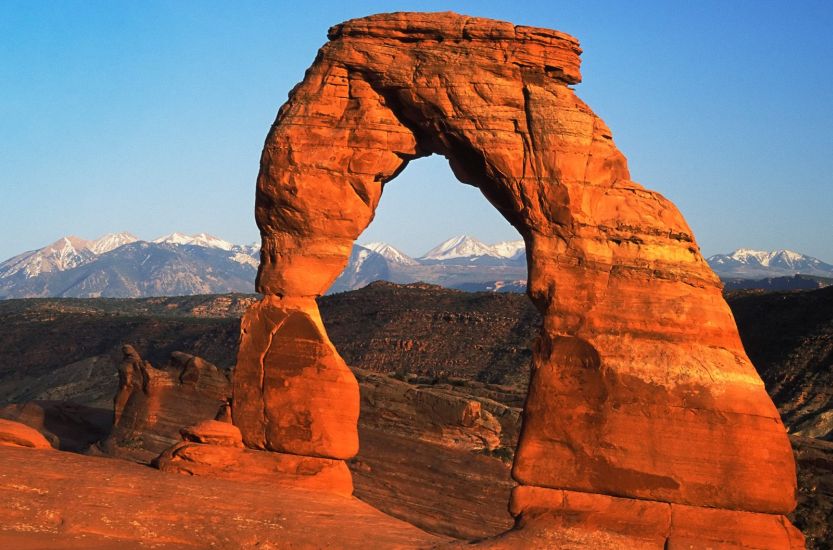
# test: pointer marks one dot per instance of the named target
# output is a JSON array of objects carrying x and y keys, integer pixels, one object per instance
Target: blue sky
[{"x": 150, "y": 116}]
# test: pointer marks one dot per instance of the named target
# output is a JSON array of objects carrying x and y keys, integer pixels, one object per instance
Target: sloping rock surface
[{"x": 64, "y": 501}]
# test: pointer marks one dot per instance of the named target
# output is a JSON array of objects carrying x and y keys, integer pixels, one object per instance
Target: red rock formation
[
  {"x": 215, "y": 449},
  {"x": 294, "y": 393},
  {"x": 152, "y": 404},
  {"x": 433, "y": 415},
  {"x": 640, "y": 389},
  {"x": 15, "y": 434}
]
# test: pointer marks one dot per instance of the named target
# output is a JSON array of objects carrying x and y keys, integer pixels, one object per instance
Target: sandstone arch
[{"x": 641, "y": 391}]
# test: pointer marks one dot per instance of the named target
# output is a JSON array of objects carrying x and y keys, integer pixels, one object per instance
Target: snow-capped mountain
[
  {"x": 65, "y": 253},
  {"x": 745, "y": 263},
  {"x": 111, "y": 241},
  {"x": 200, "y": 239},
  {"x": 121, "y": 265},
  {"x": 390, "y": 253},
  {"x": 461, "y": 246},
  {"x": 363, "y": 267},
  {"x": 509, "y": 249},
  {"x": 464, "y": 246},
  {"x": 141, "y": 269}
]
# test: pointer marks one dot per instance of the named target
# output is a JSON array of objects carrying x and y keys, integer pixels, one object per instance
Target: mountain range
[
  {"x": 745, "y": 263},
  {"x": 121, "y": 265}
]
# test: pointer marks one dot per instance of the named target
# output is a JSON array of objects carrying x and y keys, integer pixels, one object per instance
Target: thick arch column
[{"x": 640, "y": 387}]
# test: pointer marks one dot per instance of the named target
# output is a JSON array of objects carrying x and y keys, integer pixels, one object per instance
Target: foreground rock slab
[{"x": 64, "y": 501}]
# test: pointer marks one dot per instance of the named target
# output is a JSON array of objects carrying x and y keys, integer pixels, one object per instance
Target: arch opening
[
  {"x": 442, "y": 374},
  {"x": 427, "y": 228}
]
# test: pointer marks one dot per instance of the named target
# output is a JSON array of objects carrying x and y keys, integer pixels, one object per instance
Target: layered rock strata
[{"x": 640, "y": 387}]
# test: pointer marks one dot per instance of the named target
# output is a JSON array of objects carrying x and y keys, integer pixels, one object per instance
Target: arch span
[{"x": 640, "y": 388}]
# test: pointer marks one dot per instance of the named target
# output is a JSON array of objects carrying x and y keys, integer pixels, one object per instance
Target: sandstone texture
[
  {"x": 435, "y": 455},
  {"x": 640, "y": 387},
  {"x": 65, "y": 501},
  {"x": 435, "y": 414},
  {"x": 152, "y": 405},
  {"x": 293, "y": 393},
  {"x": 15, "y": 434}
]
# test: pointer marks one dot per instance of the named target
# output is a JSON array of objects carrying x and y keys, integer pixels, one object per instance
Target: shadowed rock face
[
  {"x": 640, "y": 387},
  {"x": 152, "y": 404}
]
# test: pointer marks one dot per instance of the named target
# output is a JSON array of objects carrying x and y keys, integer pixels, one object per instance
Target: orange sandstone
[{"x": 15, "y": 434}]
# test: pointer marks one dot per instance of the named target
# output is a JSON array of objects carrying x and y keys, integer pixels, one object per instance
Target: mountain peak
[
  {"x": 466, "y": 246},
  {"x": 200, "y": 239},
  {"x": 461, "y": 246},
  {"x": 390, "y": 253},
  {"x": 111, "y": 241},
  {"x": 750, "y": 263}
]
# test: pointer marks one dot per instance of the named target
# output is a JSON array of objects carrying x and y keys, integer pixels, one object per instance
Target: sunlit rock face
[{"x": 640, "y": 388}]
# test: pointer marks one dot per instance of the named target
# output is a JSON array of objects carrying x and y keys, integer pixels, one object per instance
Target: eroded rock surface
[
  {"x": 215, "y": 449},
  {"x": 293, "y": 393},
  {"x": 55, "y": 500},
  {"x": 67, "y": 426},
  {"x": 436, "y": 415}
]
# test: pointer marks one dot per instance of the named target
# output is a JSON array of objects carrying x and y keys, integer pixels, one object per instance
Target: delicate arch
[{"x": 640, "y": 386}]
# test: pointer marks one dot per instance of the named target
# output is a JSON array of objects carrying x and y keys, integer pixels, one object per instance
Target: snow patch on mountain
[
  {"x": 750, "y": 263},
  {"x": 245, "y": 258},
  {"x": 509, "y": 249},
  {"x": 111, "y": 241},
  {"x": 200, "y": 239},
  {"x": 63, "y": 254},
  {"x": 390, "y": 253}
]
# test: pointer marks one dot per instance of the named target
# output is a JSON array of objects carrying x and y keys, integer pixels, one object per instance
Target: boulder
[
  {"x": 15, "y": 434},
  {"x": 213, "y": 432},
  {"x": 66, "y": 425}
]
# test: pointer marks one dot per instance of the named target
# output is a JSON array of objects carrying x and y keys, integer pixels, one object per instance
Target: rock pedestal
[
  {"x": 292, "y": 391},
  {"x": 640, "y": 390},
  {"x": 215, "y": 449}
]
